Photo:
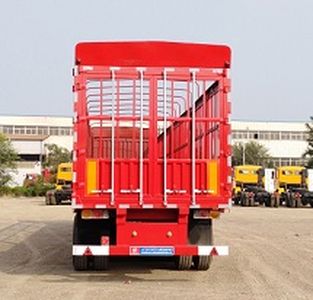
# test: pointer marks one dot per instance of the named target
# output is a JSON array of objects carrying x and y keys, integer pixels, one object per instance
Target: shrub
[
  {"x": 5, "y": 190},
  {"x": 38, "y": 189}
]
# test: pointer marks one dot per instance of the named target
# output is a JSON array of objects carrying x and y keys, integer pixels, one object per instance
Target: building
[
  {"x": 30, "y": 134},
  {"x": 286, "y": 141}
]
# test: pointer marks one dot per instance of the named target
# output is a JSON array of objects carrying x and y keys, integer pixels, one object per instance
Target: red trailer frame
[{"x": 151, "y": 150}]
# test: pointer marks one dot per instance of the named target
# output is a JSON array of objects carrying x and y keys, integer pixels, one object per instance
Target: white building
[
  {"x": 286, "y": 141},
  {"x": 30, "y": 134}
]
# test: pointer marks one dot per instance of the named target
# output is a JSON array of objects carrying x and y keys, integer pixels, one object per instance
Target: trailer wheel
[
  {"x": 202, "y": 263},
  {"x": 201, "y": 233},
  {"x": 101, "y": 263},
  {"x": 184, "y": 262},
  {"x": 80, "y": 263}
]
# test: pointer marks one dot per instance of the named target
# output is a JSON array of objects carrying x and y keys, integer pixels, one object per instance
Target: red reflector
[
  {"x": 214, "y": 252},
  {"x": 87, "y": 252},
  {"x": 105, "y": 240}
]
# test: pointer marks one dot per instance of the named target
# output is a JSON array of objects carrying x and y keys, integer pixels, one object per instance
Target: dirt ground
[{"x": 271, "y": 257}]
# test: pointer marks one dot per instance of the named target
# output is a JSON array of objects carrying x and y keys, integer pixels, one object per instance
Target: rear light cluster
[
  {"x": 95, "y": 214},
  {"x": 206, "y": 214}
]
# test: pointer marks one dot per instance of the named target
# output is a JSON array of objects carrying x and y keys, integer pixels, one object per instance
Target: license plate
[{"x": 152, "y": 251}]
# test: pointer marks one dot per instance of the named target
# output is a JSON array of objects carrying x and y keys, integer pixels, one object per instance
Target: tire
[
  {"x": 311, "y": 203},
  {"x": 57, "y": 199},
  {"x": 202, "y": 263},
  {"x": 101, "y": 263},
  {"x": 184, "y": 262},
  {"x": 201, "y": 233},
  {"x": 80, "y": 263}
]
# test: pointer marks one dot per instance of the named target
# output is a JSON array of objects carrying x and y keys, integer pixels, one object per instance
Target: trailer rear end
[{"x": 151, "y": 151}]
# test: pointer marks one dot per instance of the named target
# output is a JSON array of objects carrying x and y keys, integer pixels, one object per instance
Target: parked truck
[
  {"x": 151, "y": 151},
  {"x": 295, "y": 185},
  {"x": 63, "y": 187},
  {"x": 254, "y": 184}
]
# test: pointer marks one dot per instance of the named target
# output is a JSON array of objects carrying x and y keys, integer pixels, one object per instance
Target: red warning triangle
[
  {"x": 214, "y": 252},
  {"x": 87, "y": 252}
]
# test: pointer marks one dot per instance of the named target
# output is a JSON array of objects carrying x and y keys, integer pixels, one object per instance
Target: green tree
[
  {"x": 55, "y": 156},
  {"x": 251, "y": 153},
  {"x": 8, "y": 158},
  {"x": 308, "y": 154}
]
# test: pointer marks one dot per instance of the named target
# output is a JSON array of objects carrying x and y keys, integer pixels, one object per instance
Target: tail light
[
  {"x": 206, "y": 214},
  {"x": 95, "y": 214}
]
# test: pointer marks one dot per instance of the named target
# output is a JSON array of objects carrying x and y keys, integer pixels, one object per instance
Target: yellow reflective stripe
[
  {"x": 91, "y": 176},
  {"x": 212, "y": 176}
]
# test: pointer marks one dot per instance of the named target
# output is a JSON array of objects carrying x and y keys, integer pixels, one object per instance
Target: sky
[{"x": 271, "y": 41}]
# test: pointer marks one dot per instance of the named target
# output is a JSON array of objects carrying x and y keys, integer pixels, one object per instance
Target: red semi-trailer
[{"x": 151, "y": 151}]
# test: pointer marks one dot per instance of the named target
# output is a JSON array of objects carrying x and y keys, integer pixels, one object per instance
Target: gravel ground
[{"x": 271, "y": 257}]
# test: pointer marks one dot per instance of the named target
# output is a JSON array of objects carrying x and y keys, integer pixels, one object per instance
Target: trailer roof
[{"x": 152, "y": 54}]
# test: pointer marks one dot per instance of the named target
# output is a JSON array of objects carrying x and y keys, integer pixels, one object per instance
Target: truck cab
[
  {"x": 253, "y": 184},
  {"x": 63, "y": 186},
  {"x": 291, "y": 184}
]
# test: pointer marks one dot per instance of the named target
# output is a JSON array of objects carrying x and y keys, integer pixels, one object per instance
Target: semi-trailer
[{"x": 152, "y": 153}]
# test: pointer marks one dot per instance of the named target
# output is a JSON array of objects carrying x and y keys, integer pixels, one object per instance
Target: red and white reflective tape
[
  {"x": 104, "y": 250},
  {"x": 79, "y": 250},
  {"x": 213, "y": 250}
]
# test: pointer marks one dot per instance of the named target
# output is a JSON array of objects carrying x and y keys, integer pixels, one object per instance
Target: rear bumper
[{"x": 105, "y": 250}]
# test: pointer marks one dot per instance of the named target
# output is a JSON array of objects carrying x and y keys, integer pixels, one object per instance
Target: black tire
[
  {"x": 267, "y": 202},
  {"x": 58, "y": 199},
  {"x": 201, "y": 233},
  {"x": 184, "y": 262},
  {"x": 80, "y": 263},
  {"x": 202, "y": 263},
  {"x": 101, "y": 263}
]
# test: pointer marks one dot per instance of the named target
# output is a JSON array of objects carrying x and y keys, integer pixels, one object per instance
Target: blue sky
[{"x": 272, "y": 44}]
